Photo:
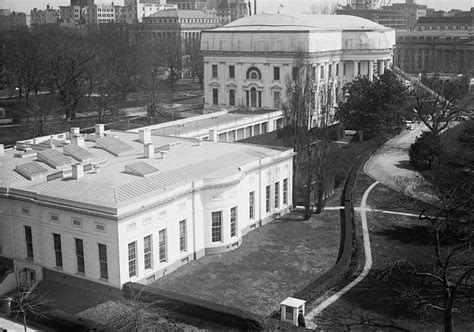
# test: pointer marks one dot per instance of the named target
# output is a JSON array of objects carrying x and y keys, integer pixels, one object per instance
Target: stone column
[
  {"x": 371, "y": 70},
  {"x": 382, "y": 67},
  {"x": 356, "y": 68}
]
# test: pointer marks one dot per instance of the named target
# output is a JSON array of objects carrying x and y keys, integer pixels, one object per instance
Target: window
[
  {"x": 58, "y": 250},
  {"x": 337, "y": 69},
  {"x": 232, "y": 97},
  {"x": 76, "y": 222},
  {"x": 267, "y": 199},
  {"x": 147, "y": 220},
  {"x": 182, "y": 236},
  {"x": 233, "y": 221},
  {"x": 132, "y": 259},
  {"x": 131, "y": 226},
  {"x": 289, "y": 313},
  {"x": 321, "y": 72},
  {"x": 162, "y": 245},
  {"x": 276, "y": 73},
  {"x": 99, "y": 227},
  {"x": 277, "y": 195},
  {"x": 104, "y": 273},
  {"x": 29, "y": 242},
  {"x": 214, "y": 71},
  {"x": 344, "y": 68},
  {"x": 162, "y": 215},
  {"x": 330, "y": 71},
  {"x": 215, "y": 96},
  {"x": 253, "y": 74},
  {"x": 276, "y": 99},
  {"x": 25, "y": 210},
  {"x": 231, "y": 71},
  {"x": 217, "y": 226},
  {"x": 296, "y": 72},
  {"x": 285, "y": 191},
  {"x": 53, "y": 217},
  {"x": 80, "y": 255},
  {"x": 252, "y": 205}
]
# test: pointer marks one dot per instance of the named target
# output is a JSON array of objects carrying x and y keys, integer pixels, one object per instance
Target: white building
[
  {"x": 135, "y": 10},
  {"x": 95, "y": 14},
  {"x": 247, "y": 62},
  {"x": 117, "y": 207}
]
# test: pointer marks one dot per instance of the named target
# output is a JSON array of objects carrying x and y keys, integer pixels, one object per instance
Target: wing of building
[
  {"x": 114, "y": 207},
  {"x": 247, "y": 62}
]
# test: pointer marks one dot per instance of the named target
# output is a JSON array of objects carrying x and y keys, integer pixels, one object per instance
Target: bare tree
[
  {"x": 323, "y": 8},
  {"x": 171, "y": 52},
  {"x": 29, "y": 304},
  {"x": 40, "y": 109},
  {"x": 196, "y": 59}
]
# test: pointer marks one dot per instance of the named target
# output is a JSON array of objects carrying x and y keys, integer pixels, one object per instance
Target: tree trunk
[
  {"x": 24, "y": 323},
  {"x": 320, "y": 199},
  {"x": 448, "y": 320}
]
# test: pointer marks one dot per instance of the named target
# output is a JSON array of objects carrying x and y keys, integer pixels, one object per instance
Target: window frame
[
  {"x": 58, "y": 251},
  {"x": 267, "y": 198},
  {"x": 252, "y": 205},
  {"x": 216, "y": 226},
  {"x": 231, "y": 71},
  {"x": 183, "y": 236},
  {"x": 277, "y": 195},
  {"x": 276, "y": 73},
  {"x": 29, "y": 242},
  {"x": 103, "y": 263},
  {"x": 233, "y": 221},
  {"x": 285, "y": 191},
  {"x": 81, "y": 266},
  {"x": 162, "y": 243},
  {"x": 215, "y": 71},
  {"x": 132, "y": 259}
]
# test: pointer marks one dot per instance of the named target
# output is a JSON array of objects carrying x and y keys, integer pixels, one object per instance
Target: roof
[
  {"x": 180, "y": 13},
  {"x": 127, "y": 179},
  {"x": 278, "y": 22}
]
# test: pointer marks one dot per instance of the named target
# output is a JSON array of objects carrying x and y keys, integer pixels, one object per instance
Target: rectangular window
[
  {"x": 215, "y": 97},
  {"x": 162, "y": 245},
  {"x": 76, "y": 222},
  {"x": 182, "y": 236},
  {"x": 267, "y": 199},
  {"x": 285, "y": 191},
  {"x": 53, "y": 217},
  {"x": 80, "y": 255},
  {"x": 330, "y": 71},
  {"x": 276, "y": 73},
  {"x": 58, "y": 250},
  {"x": 132, "y": 259},
  {"x": 337, "y": 69},
  {"x": 321, "y": 72},
  {"x": 26, "y": 211},
  {"x": 214, "y": 71},
  {"x": 99, "y": 227},
  {"x": 233, "y": 221},
  {"x": 276, "y": 99},
  {"x": 29, "y": 242},
  {"x": 217, "y": 226},
  {"x": 296, "y": 72},
  {"x": 147, "y": 251},
  {"x": 344, "y": 68},
  {"x": 231, "y": 72},
  {"x": 104, "y": 271},
  {"x": 252, "y": 205},
  {"x": 277, "y": 195},
  {"x": 232, "y": 97}
]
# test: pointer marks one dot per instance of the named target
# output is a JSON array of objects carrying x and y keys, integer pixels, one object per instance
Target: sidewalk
[{"x": 11, "y": 326}]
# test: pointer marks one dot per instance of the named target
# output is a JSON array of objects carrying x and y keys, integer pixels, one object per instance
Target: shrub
[{"x": 426, "y": 151}]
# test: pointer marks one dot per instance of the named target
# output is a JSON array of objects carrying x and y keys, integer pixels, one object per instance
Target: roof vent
[
  {"x": 100, "y": 129},
  {"x": 141, "y": 168},
  {"x": 78, "y": 153},
  {"x": 114, "y": 146},
  {"x": 145, "y": 136},
  {"x": 78, "y": 141},
  {"x": 77, "y": 171},
  {"x": 54, "y": 158},
  {"x": 149, "y": 150},
  {"x": 32, "y": 170}
]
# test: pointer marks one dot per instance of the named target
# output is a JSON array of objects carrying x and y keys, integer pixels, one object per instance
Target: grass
[
  {"x": 374, "y": 304},
  {"x": 273, "y": 262}
]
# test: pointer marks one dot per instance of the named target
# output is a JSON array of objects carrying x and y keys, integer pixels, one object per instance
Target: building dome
[{"x": 302, "y": 22}]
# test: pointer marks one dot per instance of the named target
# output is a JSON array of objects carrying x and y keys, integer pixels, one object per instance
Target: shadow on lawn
[
  {"x": 419, "y": 235},
  {"x": 404, "y": 164}
]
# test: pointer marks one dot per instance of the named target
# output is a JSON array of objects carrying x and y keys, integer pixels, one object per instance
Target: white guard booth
[{"x": 290, "y": 308}]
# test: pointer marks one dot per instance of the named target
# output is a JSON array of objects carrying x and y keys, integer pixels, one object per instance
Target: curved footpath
[{"x": 386, "y": 166}]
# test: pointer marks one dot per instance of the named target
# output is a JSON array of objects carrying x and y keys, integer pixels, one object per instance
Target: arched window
[{"x": 254, "y": 74}]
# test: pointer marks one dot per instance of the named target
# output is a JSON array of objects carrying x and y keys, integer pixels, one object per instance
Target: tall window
[
  {"x": 231, "y": 71},
  {"x": 214, "y": 71},
  {"x": 232, "y": 97},
  {"x": 58, "y": 250},
  {"x": 217, "y": 226},
  {"x": 344, "y": 68},
  {"x": 267, "y": 198},
  {"x": 104, "y": 271},
  {"x": 330, "y": 71},
  {"x": 233, "y": 221},
  {"x": 29, "y": 242},
  {"x": 182, "y": 236},
  {"x": 147, "y": 251},
  {"x": 276, "y": 73},
  {"x": 276, "y": 99},
  {"x": 132, "y": 259},
  {"x": 277, "y": 195},
  {"x": 296, "y": 72},
  {"x": 337, "y": 69},
  {"x": 321, "y": 72},
  {"x": 162, "y": 245},
  {"x": 215, "y": 96},
  {"x": 80, "y": 256},
  {"x": 285, "y": 191},
  {"x": 252, "y": 205}
]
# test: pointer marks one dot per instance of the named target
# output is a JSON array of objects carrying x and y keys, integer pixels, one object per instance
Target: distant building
[
  {"x": 440, "y": 43},
  {"x": 10, "y": 20},
  {"x": 71, "y": 14},
  {"x": 189, "y": 4},
  {"x": 390, "y": 18},
  {"x": 97, "y": 14},
  {"x": 174, "y": 22},
  {"x": 46, "y": 16},
  {"x": 114, "y": 207},
  {"x": 228, "y": 10},
  {"x": 135, "y": 10},
  {"x": 410, "y": 10},
  {"x": 247, "y": 62}
]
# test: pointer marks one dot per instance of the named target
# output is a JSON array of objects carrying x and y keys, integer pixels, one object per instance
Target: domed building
[{"x": 247, "y": 62}]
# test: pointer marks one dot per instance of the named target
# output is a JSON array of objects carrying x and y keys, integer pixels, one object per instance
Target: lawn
[
  {"x": 374, "y": 304},
  {"x": 273, "y": 262}
]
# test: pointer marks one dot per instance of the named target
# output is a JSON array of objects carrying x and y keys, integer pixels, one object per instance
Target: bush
[{"x": 426, "y": 151}]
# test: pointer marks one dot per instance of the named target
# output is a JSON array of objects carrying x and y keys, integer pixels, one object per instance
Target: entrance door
[{"x": 253, "y": 97}]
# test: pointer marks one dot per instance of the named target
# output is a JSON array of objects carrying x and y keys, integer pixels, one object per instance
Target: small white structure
[{"x": 290, "y": 308}]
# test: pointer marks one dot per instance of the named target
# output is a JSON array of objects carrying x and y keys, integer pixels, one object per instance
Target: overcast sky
[{"x": 268, "y": 6}]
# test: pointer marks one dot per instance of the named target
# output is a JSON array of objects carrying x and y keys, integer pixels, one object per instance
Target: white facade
[
  {"x": 248, "y": 62},
  {"x": 96, "y": 14},
  {"x": 150, "y": 212},
  {"x": 135, "y": 10}
]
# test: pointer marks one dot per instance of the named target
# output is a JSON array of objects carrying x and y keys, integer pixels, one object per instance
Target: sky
[{"x": 267, "y": 6}]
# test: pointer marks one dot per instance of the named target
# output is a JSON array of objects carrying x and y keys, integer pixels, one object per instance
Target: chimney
[
  {"x": 213, "y": 135},
  {"x": 77, "y": 171},
  {"x": 149, "y": 150},
  {"x": 2, "y": 150},
  {"x": 99, "y": 130},
  {"x": 78, "y": 141},
  {"x": 75, "y": 131},
  {"x": 145, "y": 136}
]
